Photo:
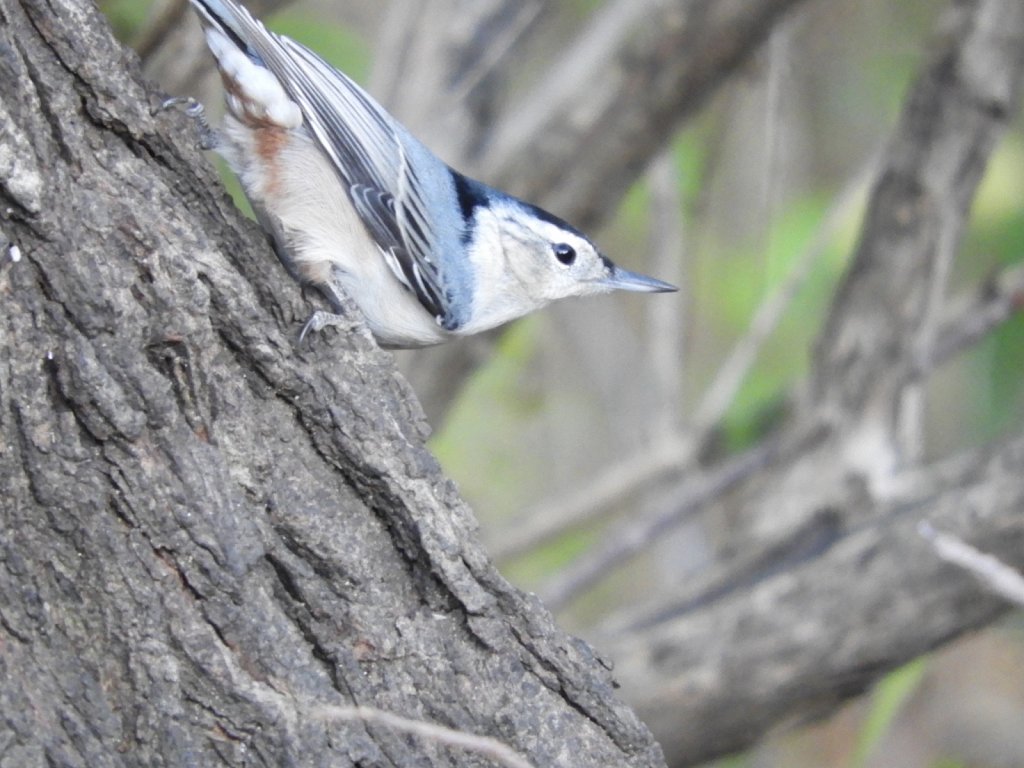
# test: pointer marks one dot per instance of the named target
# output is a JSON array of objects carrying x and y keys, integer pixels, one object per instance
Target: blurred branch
[
  {"x": 667, "y": 319},
  {"x": 993, "y": 573},
  {"x": 713, "y": 676},
  {"x": 871, "y": 346},
  {"x": 605, "y": 108},
  {"x": 973, "y": 318},
  {"x": 656, "y": 466},
  {"x": 970, "y": 319},
  {"x": 692, "y": 495},
  {"x": 161, "y": 23},
  {"x": 777, "y": 49},
  {"x": 713, "y": 673},
  {"x": 953, "y": 116},
  {"x": 721, "y": 393},
  {"x": 441, "y": 65}
]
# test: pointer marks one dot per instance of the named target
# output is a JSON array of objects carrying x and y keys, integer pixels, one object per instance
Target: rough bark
[{"x": 209, "y": 532}]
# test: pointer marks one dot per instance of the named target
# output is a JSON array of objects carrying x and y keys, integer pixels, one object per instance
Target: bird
[{"x": 354, "y": 204}]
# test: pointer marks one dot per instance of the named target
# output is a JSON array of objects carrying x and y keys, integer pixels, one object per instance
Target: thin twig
[
  {"x": 666, "y": 319},
  {"x": 733, "y": 372},
  {"x": 665, "y": 459},
  {"x": 498, "y": 49},
  {"x": 616, "y": 94},
  {"x": 971, "y": 318},
  {"x": 669, "y": 457},
  {"x": 657, "y": 464},
  {"x": 604, "y": 33},
  {"x": 437, "y": 66},
  {"x": 482, "y": 745},
  {"x": 290, "y": 711},
  {"x": 996, "y": 575},
  {"x": 778, "y": 48},
  {"x": 636, "y": 534}
]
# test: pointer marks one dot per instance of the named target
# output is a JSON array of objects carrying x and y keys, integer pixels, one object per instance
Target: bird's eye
[{"x": 565, "y": 253}]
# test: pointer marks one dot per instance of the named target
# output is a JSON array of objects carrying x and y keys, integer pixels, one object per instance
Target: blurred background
[{"x": 574, "y": 418}]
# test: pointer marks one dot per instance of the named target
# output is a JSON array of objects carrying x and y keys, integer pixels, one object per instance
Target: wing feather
[{"x": 371, "y": 154}]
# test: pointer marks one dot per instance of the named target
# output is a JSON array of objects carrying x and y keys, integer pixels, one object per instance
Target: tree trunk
[{"x": 211, "y": 534}]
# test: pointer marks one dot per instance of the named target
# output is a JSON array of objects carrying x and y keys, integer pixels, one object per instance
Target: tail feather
[
  {"x": 236, "y": 22},
  {"x": 224, "y": 15},
  {"x": 240, "y": 44}
]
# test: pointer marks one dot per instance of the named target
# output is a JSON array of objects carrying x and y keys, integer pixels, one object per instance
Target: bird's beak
[{"x": 621, "y": 279}]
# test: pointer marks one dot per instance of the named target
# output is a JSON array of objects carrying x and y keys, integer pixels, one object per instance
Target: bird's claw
[
  {"x": 208, "y": 137},
  {"x": 320, "y": 320}
]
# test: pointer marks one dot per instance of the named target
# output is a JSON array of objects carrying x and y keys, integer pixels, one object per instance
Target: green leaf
[{"x": 886, "y": 704}]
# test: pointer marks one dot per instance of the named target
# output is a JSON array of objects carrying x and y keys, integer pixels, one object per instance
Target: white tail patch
[{"x": 254, "y": 93}]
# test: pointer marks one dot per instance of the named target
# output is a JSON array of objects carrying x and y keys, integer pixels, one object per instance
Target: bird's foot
[
  {"x": 320, "y": 320},
  {"x": 208, "y": 137}
]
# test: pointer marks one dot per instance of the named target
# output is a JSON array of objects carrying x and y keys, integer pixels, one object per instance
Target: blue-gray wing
[{"x": 394, "y": 183}]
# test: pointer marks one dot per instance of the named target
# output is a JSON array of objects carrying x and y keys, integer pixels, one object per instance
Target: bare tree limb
[
  {"x": 164, "y": 18},
  {"x": 971, "y": 318},
  {"x": 954, "y": 115},
  {"x": 594, "y": 122},
  {"x": 870, "y": 348},
  {"x": 692, "y": 495},
  {"x": 714, "y": 674},
  {"x": 712, "y": 669},
  {"x": 992, "y": 572},
  {"x": 441, "y": 67},
  {"x": 661, "y": 464},
  {"x": 720, "y": 394}
]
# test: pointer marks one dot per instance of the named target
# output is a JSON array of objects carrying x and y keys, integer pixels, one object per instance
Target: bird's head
[{"x": 554, "y": 260}]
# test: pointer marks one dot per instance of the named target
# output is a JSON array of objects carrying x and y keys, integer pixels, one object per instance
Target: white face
[
  {"x": 552, "y": 261},
  {"x": 525, "y": 258}
]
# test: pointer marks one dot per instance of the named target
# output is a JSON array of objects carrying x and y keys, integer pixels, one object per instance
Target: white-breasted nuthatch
[{"x": 354, "y": 203}]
